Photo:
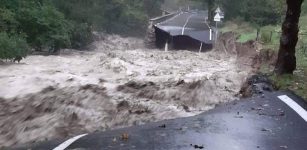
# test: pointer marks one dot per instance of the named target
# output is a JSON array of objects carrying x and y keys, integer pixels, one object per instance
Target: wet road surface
[
  {"x": 273, "y": 121},
  {"x": 191, "y": 24}
]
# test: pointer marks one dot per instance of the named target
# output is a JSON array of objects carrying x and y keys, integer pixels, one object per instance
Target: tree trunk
[{"x": 286, "y": 63}]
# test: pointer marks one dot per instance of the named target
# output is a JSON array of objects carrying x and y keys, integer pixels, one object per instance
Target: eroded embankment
[{"x": 118, "y": 84}]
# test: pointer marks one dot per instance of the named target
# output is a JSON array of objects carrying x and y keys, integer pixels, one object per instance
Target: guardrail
[{"x": 162, "y": 18}]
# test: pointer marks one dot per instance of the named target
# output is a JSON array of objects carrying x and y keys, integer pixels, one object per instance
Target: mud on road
[{"x": 118, "y": 84}]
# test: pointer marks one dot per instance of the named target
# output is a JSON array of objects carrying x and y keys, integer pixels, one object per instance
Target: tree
[
  {"x": 111, "y": 16},
  {"x": 304, "y": 10},
  {"x": 261, "y": 12},
  {"x": 210, "y": 4},
  {"x": 12, "y": 46},
  {"x": 8, "y": 22},
  {"x": 46, "y": 27},
  {"x": 42, "y": 24},
  {"x": 286, "y": 63}
]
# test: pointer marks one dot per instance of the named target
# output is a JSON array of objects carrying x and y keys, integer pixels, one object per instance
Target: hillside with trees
[{"x": 49, "y": 25}]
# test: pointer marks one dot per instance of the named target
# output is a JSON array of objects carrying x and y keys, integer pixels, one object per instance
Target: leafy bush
[
  {"x": 8, "y": 21},
  {"x": 266, "y": 36},
  {"x": 46, "y": 28},
  {"x": 304, "y": 7},
  {"x": 81, "y": 35},
  {"x": 12, "y": 46},
  {"x": 267, "y": 33}
]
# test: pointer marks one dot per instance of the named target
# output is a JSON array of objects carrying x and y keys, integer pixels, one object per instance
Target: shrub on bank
[
  {"x": 267, "y": 34},
  {"x": 12, "y": 46}
]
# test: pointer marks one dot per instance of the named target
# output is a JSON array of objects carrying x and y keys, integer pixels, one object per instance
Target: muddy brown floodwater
[{"x": 118, "y": 84}]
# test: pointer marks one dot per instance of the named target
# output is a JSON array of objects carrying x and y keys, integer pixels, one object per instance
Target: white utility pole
[
  {"x": 166, "y": 46},
  {"x": 217, "y": 18},
  {"x": 201, "y": 47}
]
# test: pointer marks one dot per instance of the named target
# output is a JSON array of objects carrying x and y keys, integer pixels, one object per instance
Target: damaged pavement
[{"x": 261, "y": 123}]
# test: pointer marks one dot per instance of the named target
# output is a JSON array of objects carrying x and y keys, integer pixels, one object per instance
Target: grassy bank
[{"x": 270, "y": 36}]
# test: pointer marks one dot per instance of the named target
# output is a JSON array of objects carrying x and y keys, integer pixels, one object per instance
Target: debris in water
[
  {"x": 70, "y": 80},
  {"x": 125, "y": 136},
  {"x": 266, "y": 130},
  {"x": 239, "y": 117},
  {"x": 162, "y": 126},
  {"x": 48, "y": 89},
  {"x": 122, "y": 105},
  {"x": 186, "y": 108},
  {"x": 282, "y": 113},
  {"x": 114, "y": 140},
  {"x": 258, "y": 109},
  {"x": 284, "y": 147},
  {"x": 197, "y": 146},
  {"x": 180, "y": 82}
]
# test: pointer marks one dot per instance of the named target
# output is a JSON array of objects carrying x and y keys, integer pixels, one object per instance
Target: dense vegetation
[
  {"x": 49, "y": 25},
  {"x": 270, "y": 38},
  {"x": 257, "y": 12},
  {"x": 37, "y": 22},
  {"x": 113, "y": 16}
]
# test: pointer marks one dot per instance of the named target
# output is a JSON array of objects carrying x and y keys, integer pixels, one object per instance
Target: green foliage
[
  {"x": 125, "y": 17},
  {"x": 304, "y": 7},
  {"x": 262, "y": 12},
  {"x": 12, "y": 46},
  {"x": 267, "y": 34},
  {"x": 81, "y": 35},
  {"x": 49, "y": 25},
  {"x": 247, "y": 37},
  {"x": 46, "y": 28},
  {"x": 112, "y": 16},
  {"x": 257, "y": 12},
  {"x": 8, "y": 21},
  {"x": 152, "y": 7},
  {"x": 296, "y": 83}
]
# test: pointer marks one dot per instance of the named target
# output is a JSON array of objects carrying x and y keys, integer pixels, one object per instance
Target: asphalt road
[
  {"x": 273, "y": 121},
  {"x": 192, "y": 24}
]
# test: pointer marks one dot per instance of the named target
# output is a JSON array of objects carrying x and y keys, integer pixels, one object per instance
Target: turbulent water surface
[{"x": 116, "y": 85}]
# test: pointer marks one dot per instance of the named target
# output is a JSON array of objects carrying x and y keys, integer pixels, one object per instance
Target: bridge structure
[{"x": 181, "y": 30}]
